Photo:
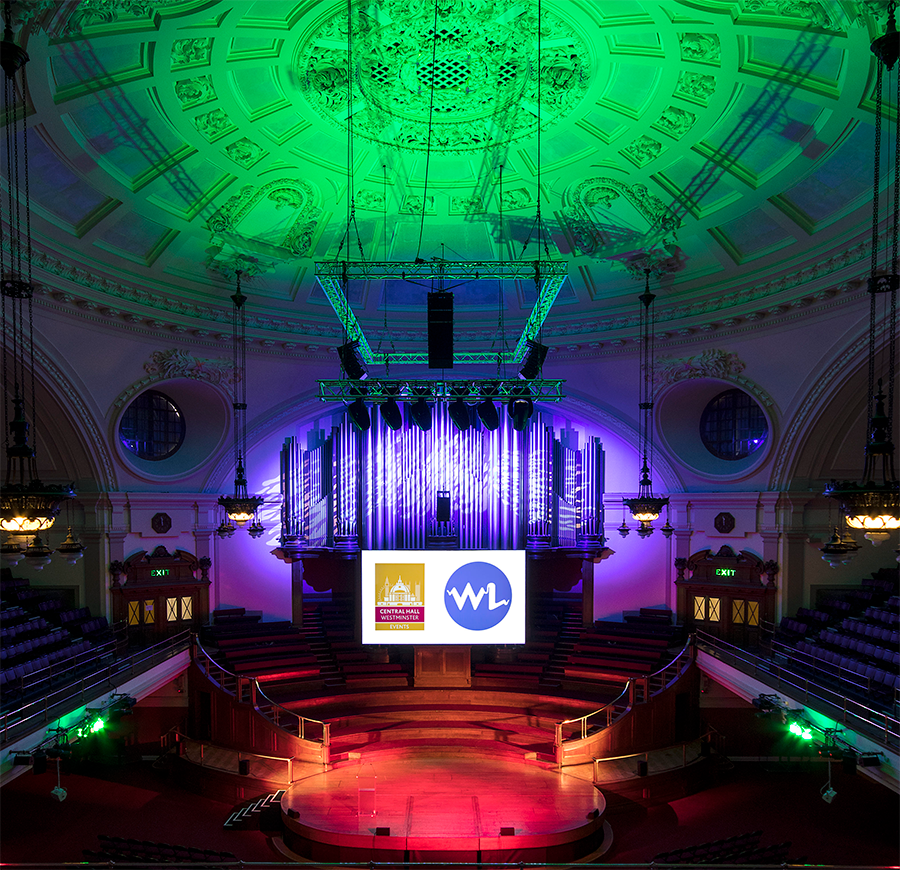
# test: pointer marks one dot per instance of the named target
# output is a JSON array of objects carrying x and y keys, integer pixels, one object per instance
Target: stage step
[{"x": 248, "y": 816}]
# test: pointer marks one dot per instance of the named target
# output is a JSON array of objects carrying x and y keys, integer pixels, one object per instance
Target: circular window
[
  {"x": 152, "y": 426},
  {"x": 733, "y": 426}
]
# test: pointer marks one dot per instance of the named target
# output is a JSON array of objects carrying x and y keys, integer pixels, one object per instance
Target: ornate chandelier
[
  {"x": 240, "y": 507},
  {"x": 27, "y": 505},
  {"x": 874, "y": 503},
  {"x": 646, "y": 507}
]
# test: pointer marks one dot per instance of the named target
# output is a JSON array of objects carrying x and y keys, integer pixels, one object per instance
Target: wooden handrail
[
  {"x": 610, "y": 707},
  {"x": 256, "y": 691}
]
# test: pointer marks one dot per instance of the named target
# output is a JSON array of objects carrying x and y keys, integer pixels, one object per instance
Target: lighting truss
[
  {"x": 377, "y": 391},
  {"x": 550, "y": 275}
]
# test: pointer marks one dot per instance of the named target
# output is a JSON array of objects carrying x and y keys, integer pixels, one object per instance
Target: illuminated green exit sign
[
  {"x": 724, "y": 572},
  {"x": 162, "y": 572}
]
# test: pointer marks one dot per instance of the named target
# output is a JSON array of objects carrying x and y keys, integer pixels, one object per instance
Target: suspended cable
[{"x": 430, "y": 119}]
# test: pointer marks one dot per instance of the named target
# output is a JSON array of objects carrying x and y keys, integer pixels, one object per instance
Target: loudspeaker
[
  {"x": 642, "y": 768},
  {"x": 507, "y": 832},
  {"x": 849, "y": 763},
  {"x": 440, "y": 330},
  {"x": 704, "y": 748},
  {"x": 244, "y": 767},
  {"x": 292, "y": 813},
  {"x": 442, "y": 514},
  {"x": 382, "y": 832},
  {"x": 352, "y": 361}
]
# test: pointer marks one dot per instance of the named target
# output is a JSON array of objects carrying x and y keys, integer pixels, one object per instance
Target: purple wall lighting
[{"x": 378, "y": 489}]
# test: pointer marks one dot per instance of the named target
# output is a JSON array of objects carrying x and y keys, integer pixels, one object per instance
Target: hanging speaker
[{"x": 440, "y": 330}]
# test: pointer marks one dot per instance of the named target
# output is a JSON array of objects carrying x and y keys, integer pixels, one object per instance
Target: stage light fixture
[
  {"x": 390, "y": 411},
  {"x": 534, "y": 359},
  {"x": 351, "y": 362},
  {"x": 420, "y": 411},
  {"x": 487, "y": 410},
  {"x": 358, "y": 412},
  {"x": 520, "y": 408},
  {"x": 458, "y": 410}
]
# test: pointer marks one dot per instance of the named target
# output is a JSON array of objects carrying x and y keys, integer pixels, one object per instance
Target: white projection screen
[{"x": 421, "y": 597}]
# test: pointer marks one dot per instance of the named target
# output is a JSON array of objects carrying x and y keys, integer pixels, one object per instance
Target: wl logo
[{"x": 485, "y": 608}]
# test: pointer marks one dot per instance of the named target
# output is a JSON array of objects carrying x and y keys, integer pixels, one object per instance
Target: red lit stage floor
[{"x": 430, "y": 805}]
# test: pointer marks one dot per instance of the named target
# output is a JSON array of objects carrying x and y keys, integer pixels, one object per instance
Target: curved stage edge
[{"x": 433, "y": 806}]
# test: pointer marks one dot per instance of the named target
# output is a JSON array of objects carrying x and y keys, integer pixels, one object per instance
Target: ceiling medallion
[{"x": 485, "y": 73}]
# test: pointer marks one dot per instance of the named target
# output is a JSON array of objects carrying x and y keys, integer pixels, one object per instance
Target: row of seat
[
  {"x": 11, "y": 615},
  {"x": 867, "y": 629},
  {"x": 32, "y": 626},
  {"x": 153, "y": 851},
  {"x": 880, "y": 614},
  {"x": 805, "y": 614},
  {"x": 714, "y": 851},
  {"x": 37, "y": 670},
  {"x": 11, "y": 584},
  {"x": 857, "y": 644},
  {"x": 875, "y": 678},
  {"x": 793, "y": 627},
  {"x": 30, "y": 648},
  {"x": 76, "y": 615}
]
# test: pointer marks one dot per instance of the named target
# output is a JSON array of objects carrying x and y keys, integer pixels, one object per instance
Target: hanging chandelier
[
  {"x": 27, "y": 505},
  {"x": 240, "y": 508},
  {"x": 873, "y": 504},
  {"x": 646, "y": 507}
]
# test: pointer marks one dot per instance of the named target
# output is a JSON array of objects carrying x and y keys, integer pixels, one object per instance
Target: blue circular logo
[{"x": 477, "y": 596}]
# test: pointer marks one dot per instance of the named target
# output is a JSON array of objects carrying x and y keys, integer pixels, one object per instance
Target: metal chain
[{"x": 873, "y": 277}]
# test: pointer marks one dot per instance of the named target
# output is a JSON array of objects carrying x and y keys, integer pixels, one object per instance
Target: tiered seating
[
  {"x": 133, "y": 851},
  {"x": 272, "y": 652},
  {"x": 609, "y": 653},
  {"x": 742, "y": 849},
  {"x": 791, "y": 628},
  {"x": 556, "y": 628},
  {"x": 880, "y": 614},
  {"x": 37, "y": 672},
  {"x": 813, "y": 618},
  {"x": 345, "y": 663},
  {"x": 36, "y": 641}
]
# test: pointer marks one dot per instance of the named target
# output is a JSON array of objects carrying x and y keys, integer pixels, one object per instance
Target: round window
[
  {"x": 152, "y": 426},
  {"x": 733, "y": 426}
]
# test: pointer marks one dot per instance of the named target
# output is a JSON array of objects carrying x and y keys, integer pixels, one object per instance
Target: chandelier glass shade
[
  {"x": 27, "y": 505},
  {"x": 646, "y": 507},
  {"x": 240, "y": 507},
  {"x": 873, "y": 504},
  {"x": 839, "y": 549}
]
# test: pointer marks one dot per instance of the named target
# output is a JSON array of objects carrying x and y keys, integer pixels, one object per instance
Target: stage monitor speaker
[
  {"x": 292, "y": 813},
  {"x": 443, "y": 507},
  {"x": 440, "y": 330},
  {"x": 382, "y": 832},
  {"x": 244, "y": 766},
  {"x": 642, "y": 768},
  {"x": 848, "y": 762},
  {"x": 507, "y": 832}
]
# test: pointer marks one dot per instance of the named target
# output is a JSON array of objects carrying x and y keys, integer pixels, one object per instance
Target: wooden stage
[{"x": 429, "y": 804}]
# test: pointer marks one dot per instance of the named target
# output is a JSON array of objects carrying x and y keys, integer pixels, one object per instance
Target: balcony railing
[
  {"x": 96, "y": 673},
  {"x": 807, "y": 683}
]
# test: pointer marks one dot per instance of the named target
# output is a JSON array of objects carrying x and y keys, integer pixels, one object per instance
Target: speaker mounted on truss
[{"x": 440, "y": 330}]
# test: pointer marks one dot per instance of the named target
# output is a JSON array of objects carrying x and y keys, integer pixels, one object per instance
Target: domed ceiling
[{"x": 725, "y": 145}]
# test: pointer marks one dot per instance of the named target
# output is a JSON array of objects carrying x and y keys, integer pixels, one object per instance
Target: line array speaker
[{"x": 440, "y": 330}]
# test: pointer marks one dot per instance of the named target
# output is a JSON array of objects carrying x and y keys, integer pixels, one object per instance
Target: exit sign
[
  {"x": 724, "y": 572},
  {"x": 164, "y": 572}
]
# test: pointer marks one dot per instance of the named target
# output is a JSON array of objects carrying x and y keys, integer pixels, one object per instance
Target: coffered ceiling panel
[{"x": 724, "y": 144}]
